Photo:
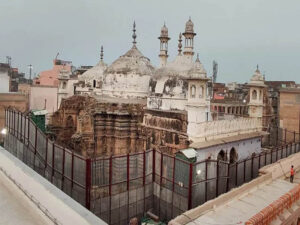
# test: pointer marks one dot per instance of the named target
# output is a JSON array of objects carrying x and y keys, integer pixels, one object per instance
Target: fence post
[
  {"x": 128, "y": 171},
  {"x": 277, "y": 135},
  {"x": 46, "y": 156},
  {"x": 206, "y": 175},
  {"x": 190, "y": 186},
  {"x": 88, "y": 179},
  {"x": 53, "y": 159},
  {"x": 244, "y": 170},
  {"x": 72, "y": 173},
  {"x": 236, "y": 174},
  {"x": 110, "y": 184},
  {"x": 21, "y": 133},
  {"x": 228, "y": 177},
  {"x": 63, "y": 169},
  {"x": 144, "y": 170},
  {"x": 28, "y": 134},
  {"x": 217, "y": 181},
  {"x": 252, "y": 167},
  {"x": 153, "y": 166},
  {"x": 285, "y": 135},
  {"x": 35, "y": 146}
]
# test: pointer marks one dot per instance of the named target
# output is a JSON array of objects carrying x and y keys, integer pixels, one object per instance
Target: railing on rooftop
[{"x": 118, "y": 188}]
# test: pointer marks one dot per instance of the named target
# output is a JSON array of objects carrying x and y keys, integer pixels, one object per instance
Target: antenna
[
  {"x": 8, "y": 60},
  {"x": 56, "y": 56}
]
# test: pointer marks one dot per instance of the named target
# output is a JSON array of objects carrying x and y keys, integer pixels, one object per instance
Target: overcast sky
[{"x": 237, "y": 34}]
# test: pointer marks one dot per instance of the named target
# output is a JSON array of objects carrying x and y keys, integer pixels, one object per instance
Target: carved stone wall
[
  {"x": 98, "y": 128},
  {"x": 165, "y": 131}
]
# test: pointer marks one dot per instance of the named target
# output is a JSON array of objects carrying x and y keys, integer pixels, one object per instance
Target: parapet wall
[{"x": 223, "y": 128}]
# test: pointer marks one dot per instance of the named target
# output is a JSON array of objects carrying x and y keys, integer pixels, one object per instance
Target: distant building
[
  {"x": 66, "y": 87},
  {"x": 13, "y": 100},
  {"x": 289, "y": 111},
  {"x": 50, "y": 77},
  {"x": 43, "y": 97},
  {"x": 5, "y": 78}
]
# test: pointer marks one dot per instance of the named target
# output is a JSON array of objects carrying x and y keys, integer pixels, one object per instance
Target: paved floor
[{"x": 16, "y": 208}]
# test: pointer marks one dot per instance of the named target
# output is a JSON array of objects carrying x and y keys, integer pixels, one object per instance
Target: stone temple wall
[{"x": 165, "y": 131}]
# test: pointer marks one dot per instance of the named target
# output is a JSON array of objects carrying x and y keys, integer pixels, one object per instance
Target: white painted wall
[
  {"x": 38, "y": 95},
  {"x": 244, "y": 149},
  {"x": 4, "y": 82}
]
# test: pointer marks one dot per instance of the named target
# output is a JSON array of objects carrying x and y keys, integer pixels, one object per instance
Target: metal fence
[{"x": 118, "y": 188}]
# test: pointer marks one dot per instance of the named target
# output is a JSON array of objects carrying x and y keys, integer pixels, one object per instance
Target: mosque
[{"x": 132, "y": 106}]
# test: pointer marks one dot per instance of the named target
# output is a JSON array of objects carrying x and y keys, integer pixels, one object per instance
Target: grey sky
[{"x": 237, "y": 34}]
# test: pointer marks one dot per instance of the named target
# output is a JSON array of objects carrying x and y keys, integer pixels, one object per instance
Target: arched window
[
  {"x": 260, "y": 95},
  {"x": 222, "y": 156},
  {"x": 94, "y": 83},
  {"x": 193, "y": 91},
  {"x": 233, "y": 156},
  {"x": 201, "y": 92},
  {"x": 254, "y": 94},
  {"x": 64, "y": 85}
]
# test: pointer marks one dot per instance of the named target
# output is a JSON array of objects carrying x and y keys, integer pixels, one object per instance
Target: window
[
  {"x": 193, "y": 91},
  {"x": 64, "y": 85},
  {"x": 260, "y": 95},
  {"x": 201, "y": 92},
  {"x": 222, "y": 156},
  {"x": 94, "y": 83},
  {"x": 254, "y": 94},
  {"x": 233, "y": 156}
]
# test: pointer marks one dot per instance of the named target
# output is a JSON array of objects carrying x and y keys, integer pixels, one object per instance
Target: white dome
[{"x": 95, "y": 73}]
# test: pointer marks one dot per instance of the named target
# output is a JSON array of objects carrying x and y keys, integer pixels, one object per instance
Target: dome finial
[
  {"x": 257, "y": 69},
  {"x": 101, "y": 53},
  {"x": 179, "y": 44},
  {"x": 134, "y": 34}
]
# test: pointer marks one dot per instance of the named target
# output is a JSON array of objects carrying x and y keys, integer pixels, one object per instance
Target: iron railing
[{"x": 118, "y": 188}]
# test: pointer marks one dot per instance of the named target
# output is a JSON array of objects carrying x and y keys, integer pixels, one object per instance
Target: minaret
[
  {"x": 164, "y": 38},
  {"x": 189, "y": 39},
  {"x": 101, "y": 54},
  {"x": 134, "y": 35},
  {"x": 256, "y": 92},
  {"x": 179, "y": 44}
]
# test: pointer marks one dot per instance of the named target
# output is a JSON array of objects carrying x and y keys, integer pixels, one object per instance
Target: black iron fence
[{"x": 118, "y": 188}]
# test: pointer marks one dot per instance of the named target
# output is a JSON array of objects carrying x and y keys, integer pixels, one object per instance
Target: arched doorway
[
  {"x": 233, "y": 156},
  {"x": 222, "y": 156}
]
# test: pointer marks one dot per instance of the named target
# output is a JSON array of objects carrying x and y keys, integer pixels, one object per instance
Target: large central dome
[
  {"x": 129, "y": 75},
  {"x": 132, "y": 61}
]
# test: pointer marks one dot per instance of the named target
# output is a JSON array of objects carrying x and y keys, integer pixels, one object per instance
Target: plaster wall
[
  {"x": 66, "y": 92},
  {"x": 41, "y": 96},
  {"x": 4, "y": 84},
  {"x": 244, "y": 149},
  {"x": 126, "y": 85}
]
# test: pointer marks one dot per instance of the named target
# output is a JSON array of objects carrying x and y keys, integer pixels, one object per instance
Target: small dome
[
  {"x": 198, "y": 70},
  {"x": 131, "y": 61},
  {"x": 257, "y": 79},
  {"x": 189, "y": 26},
  {"x": 95, "y": 73},
  {"x": 164, "y": 31}
]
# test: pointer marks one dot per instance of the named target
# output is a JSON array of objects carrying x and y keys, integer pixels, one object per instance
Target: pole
[
  {"x": 190, "y": 186},
  {"x": 217, "y": 181},
  {"x": 88, "y": 184},
  {"x": 206, "y": 175}
]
